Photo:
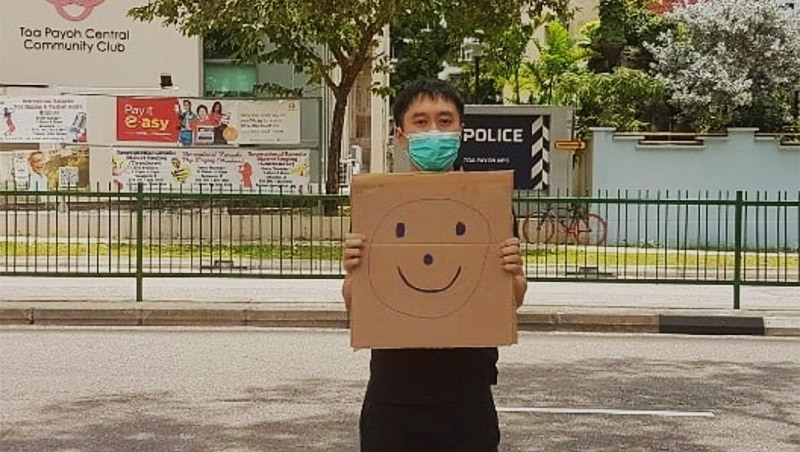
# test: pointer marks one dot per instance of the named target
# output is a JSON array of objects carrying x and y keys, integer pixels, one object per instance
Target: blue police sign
[{"x": 503, "y": 141}]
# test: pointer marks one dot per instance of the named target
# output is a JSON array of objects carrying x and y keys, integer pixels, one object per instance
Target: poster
[
  {"x": 148, "y": 119},
  {"x": 263, "y": 122},
  {"x": 208, "y": 122},
  {"x": 63, "y": 169},
  {"x": 43, "y": 119},
  {"x": 206, "y": 169}
]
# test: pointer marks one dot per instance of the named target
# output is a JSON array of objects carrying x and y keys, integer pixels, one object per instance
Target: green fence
[{"x": 728, "y": 238}]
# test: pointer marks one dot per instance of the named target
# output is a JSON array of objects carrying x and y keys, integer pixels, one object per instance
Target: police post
[{"x": 519, "y": 137}]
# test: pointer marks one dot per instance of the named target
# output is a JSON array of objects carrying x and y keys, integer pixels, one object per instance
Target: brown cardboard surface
[{"x": 431, "y": 274}]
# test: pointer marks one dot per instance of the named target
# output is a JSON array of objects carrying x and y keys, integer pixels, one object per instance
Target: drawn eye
[
  {"x": 400, "y": 230},
  {"x": 461, "y": 229}
]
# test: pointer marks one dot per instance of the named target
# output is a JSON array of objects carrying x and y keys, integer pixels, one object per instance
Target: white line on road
[{"x": 605, "y": 411}]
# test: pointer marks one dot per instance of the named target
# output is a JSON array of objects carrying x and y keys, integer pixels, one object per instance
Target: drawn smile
[{"x": 450, "y": 284}]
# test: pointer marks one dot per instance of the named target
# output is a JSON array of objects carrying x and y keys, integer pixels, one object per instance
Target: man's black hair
[{"x": 426, "y": 87}]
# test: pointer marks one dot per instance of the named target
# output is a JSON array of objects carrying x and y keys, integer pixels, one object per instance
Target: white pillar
[{"x": 379, "y": 114}]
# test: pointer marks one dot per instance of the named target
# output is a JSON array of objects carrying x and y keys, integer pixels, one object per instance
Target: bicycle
[{"x": 582, "y": 226}]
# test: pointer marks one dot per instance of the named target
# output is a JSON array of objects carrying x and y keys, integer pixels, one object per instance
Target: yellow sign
[{"x": 570, "y": 145}]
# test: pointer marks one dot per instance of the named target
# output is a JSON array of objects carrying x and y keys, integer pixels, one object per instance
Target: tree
[
  {"x": 559, "y": 54},
  {"x": 732, "y": 63},
  {"x": 506, "y": 51},
  {"x": 427, "y": 41},
  {"x": 420, "y": 49},
  {"x": 618, "y": 40},
  {"x": 294, "y": 32}
]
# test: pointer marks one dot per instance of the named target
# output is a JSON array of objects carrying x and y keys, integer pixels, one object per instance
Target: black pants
[{"x": 468, "y": 425}]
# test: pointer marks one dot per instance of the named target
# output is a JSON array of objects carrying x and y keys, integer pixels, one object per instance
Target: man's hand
[
  {"x": 353, "y": 246},
  {"x": 351, "y": 259},
  {"x": 512, "y": 262}
]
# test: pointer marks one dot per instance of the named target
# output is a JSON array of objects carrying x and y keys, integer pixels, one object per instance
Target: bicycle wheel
[
  {"x": 590, "y": 230},
  {"x": 528, "y": 230},
  {"x": 538, "y": 230},
  {"x": 549, "y": 228}
]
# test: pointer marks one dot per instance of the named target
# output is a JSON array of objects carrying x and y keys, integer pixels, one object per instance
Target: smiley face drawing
[{"x": 427, "y": 257}]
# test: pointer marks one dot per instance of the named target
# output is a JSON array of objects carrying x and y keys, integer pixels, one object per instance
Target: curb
[
  {"x": 722, "y": 324},
  {"x": 727, "y": 325}
]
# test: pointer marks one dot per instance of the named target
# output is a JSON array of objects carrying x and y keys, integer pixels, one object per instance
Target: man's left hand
[
  {"x": 511, "y": 259},
  {"x": 510, "y": 255}
]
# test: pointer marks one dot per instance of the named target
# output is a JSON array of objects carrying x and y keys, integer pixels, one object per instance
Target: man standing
[{"x": 431, "y": 399}]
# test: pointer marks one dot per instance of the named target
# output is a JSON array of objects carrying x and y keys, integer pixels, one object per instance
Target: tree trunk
[{"x": 335, "y": 144}]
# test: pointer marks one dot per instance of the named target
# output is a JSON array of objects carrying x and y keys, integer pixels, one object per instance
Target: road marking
[{"x": 605, "y": 411}]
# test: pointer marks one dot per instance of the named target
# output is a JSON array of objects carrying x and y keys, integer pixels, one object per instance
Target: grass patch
[
  {"x": 173, "y": 251},
  {"x": 623, "y": 257},
  {"x": 331, "y": 251}
]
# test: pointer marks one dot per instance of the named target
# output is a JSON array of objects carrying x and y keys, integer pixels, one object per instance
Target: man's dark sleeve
[{"x": 514, "y": 223}]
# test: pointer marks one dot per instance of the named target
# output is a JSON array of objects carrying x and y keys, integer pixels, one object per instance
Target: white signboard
[
  {"x": 225, "y": 169},
  {"x": 92, "y": 43},
  {"x": 269, "y": 122},
  {"x": 43, "y": 119}
]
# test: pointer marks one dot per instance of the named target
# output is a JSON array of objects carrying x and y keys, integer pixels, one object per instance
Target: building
[{"x": 92, "y": 52}]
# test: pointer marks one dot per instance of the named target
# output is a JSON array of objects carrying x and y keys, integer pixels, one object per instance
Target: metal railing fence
[{"x": 664, "y": 237}]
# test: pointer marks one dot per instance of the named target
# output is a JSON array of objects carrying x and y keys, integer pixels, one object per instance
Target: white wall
[
  {"x": 721, "y": 165},
  {"x": 106, "y": 49}
]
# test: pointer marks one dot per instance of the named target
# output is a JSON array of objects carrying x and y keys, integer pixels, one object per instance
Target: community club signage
[
  {"x": 86, "y": 40},
  {"x": 210, "y": 169},
  {"x": 199, "y": 122},
  {"x": 502, "y": 142},
  {"x": 91, "y": 43},
  {"x": 43, "y": 119}
]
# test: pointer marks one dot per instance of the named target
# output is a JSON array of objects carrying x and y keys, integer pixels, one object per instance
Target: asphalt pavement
[{"x": 263, "y": 389}]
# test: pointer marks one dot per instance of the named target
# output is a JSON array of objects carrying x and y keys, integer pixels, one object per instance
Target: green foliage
[
  {"x": 296, "y": 30},
  {"x": 560, "y": 54},
  {"x": 292, "y": 32},
  {"x": 433, "y": 34},
  {"x": 490, "y": 90},
  {"x": 627, "y": 99},
  {"x": 732, "y": 64},
  {"x": 505, "y": 52},
  {"x": 624, "y": 27},
  {"x": 420, "y": 47}
]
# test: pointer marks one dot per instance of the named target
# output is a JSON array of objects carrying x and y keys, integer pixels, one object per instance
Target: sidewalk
[{"x": 607, "y": 307}]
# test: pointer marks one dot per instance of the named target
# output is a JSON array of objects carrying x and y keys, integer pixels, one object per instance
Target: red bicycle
[{"x": 578, "y": 224}]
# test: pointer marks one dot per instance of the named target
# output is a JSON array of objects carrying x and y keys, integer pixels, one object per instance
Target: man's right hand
[
  {"x": 351, "y": 259},
  {"x": 353, "y": 247}
]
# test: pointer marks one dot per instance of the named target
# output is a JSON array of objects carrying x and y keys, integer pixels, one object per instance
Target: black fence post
[
  {"x": 139, "y": 239},
  {"x": 737, "y": 266}
]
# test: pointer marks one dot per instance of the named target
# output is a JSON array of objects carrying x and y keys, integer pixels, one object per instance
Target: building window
[{"x": 228, "y": 79}]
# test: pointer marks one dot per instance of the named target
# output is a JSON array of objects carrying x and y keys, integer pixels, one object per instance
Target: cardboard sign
[{"x": 431, "y": 274}]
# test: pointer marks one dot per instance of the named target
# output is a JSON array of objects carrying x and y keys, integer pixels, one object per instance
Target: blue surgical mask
[{"x": 433, "y": 150}]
